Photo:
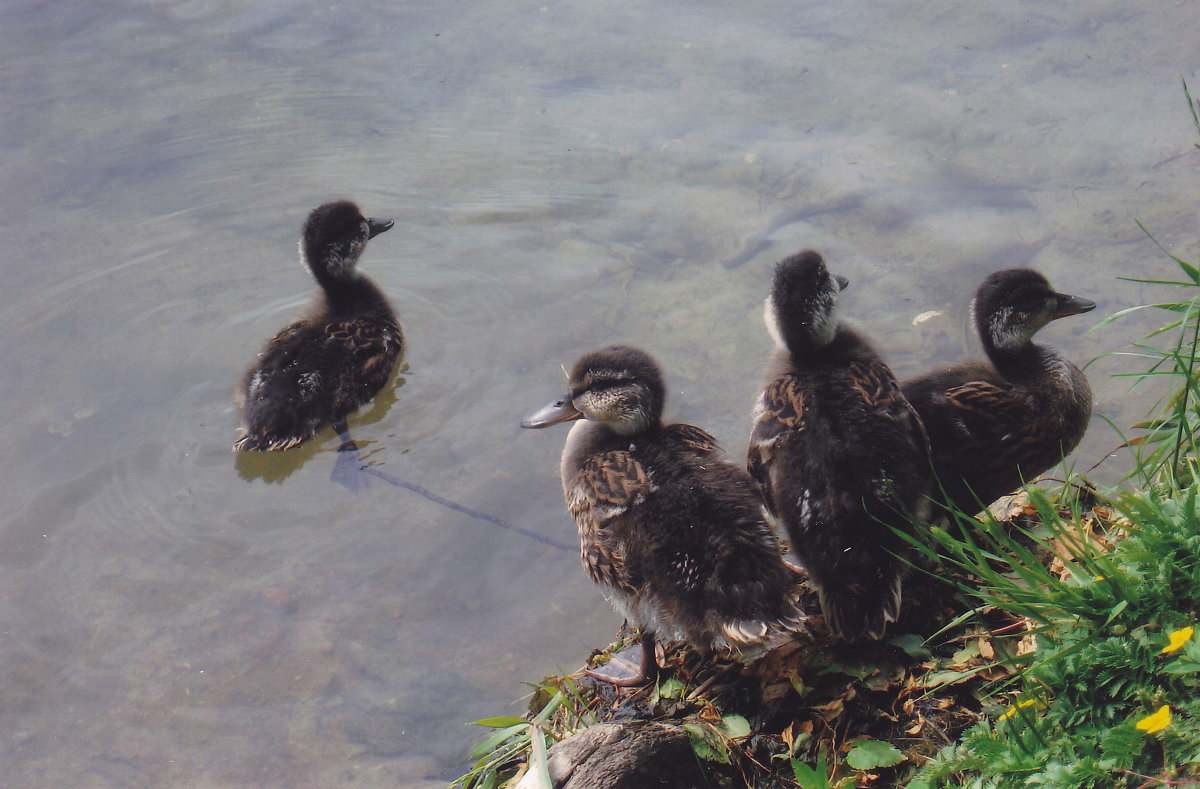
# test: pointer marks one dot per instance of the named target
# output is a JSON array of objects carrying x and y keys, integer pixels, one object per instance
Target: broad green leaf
[
  {"x": 736, "y": 727},
  {"x": 912, "y": 644},
  {"x": 707, "y": 744},
  {"x": 1183, "y": 665},
  {"x": 971, "y": 650},
  {"x": 869, "y": 754},
  {"x": 670, "y": 688},
  {"x": 809, "y": 777}
]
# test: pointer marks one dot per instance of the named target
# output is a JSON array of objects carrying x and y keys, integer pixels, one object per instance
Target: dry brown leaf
[
  {"x": 776, "y": 691},
  {"x": 986, "y": 651},
  {"x": 831, "y": 711}
]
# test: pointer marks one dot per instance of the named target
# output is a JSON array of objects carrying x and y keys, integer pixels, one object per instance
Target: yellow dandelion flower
[
  {"x": 1156, "y": 722},
  {"x": 1178, "y": 638},
  {"x": 1013, "y": 710}
]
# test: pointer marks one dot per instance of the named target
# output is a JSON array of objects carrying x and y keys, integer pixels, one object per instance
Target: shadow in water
[
  {"x": 275, "y": 467},
  {"x": 483, "y": 516}
]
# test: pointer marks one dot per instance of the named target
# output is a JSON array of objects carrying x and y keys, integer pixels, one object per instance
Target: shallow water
[{"x": 562, "y": 177}]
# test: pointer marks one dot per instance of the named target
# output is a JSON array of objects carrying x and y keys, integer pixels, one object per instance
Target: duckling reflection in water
[
  {"x": 319, "y": 370},
  {"x": 671, "y": 532},
  {"x": 840, "y": 456},
  {"x": 995, "y": 425}
]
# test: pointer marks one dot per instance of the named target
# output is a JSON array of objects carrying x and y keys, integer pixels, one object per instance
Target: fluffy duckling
[
  {"x": 671, "y": 531},
  {"x": 319, "y": 370},
  {"x": 838, "y": 453},
  {"x": 994, "y": 426}
]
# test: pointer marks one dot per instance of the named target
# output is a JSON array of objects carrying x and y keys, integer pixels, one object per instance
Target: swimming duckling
[
  {"x": 671, "y": 531},
  {"x": 319, "y": 370},
  {"x": 993, "y": 427},
  {"x": 838, "y": 453}
]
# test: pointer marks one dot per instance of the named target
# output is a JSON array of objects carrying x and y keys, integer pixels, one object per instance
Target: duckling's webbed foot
[
  {"x": 646, "y": 672},
  {"x": 348, "y": 469}
]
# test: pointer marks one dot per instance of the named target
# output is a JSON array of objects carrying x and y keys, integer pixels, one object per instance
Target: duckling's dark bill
[
  {"x": 558, "y": 411},
  {"x": 377, "y": 226},
  {"x": 1072, "y": 305}
]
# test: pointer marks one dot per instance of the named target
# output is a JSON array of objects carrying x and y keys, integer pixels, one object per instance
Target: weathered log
[{"x": 632, "y": 755}]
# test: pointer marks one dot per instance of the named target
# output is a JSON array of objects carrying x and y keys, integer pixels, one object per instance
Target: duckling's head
[
  {"x": 335, "y": 234},
  {"x": 801, "y": 311},
  {"x": 618, "y": 386},
  {"x": 1013, "y": 305}
]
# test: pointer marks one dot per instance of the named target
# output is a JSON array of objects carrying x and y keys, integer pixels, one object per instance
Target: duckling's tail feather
[
  {"x": 852, "y": 612},
  {"x": 249, "y": 442}
]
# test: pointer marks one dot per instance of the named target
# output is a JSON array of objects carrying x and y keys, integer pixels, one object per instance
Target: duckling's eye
[{"x": 604, "y": 385}]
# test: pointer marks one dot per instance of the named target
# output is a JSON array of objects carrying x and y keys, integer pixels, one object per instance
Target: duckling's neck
[
  {"x": 354, "y": 294},
  {"x": 846, "y": 346},
  {"x": 1022, "y": 361}
]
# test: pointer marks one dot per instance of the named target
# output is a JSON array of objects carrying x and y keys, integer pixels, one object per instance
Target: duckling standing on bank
[
  {"x": 319, "y": 370},
  {"x": 840, "y": 456},
  {"x": 671, "y": 531},
  {"x": 993, "y": 427}
]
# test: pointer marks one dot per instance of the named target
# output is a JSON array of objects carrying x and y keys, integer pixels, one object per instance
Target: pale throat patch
[
  {"x": 823, "y": 325},
  {"x": 771, "y": 319},
  {"x": 336, "y": 265},
  {"x": 1005, "y": 333}
]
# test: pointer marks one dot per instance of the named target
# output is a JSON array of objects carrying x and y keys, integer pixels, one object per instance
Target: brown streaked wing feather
[
  {"x": 695, "y": 439},
  {"x": 371, "y": 342},
  {"x": 608, "y": 485},
  {"x": 757, "y": 460},
  {"x": 878, "y": 386},
  {"x": 875, "y": 383},
  {"x": 985, "y": 403},
  {"x": 288, "y": 331},
  {"x": 780, "y": 407}
]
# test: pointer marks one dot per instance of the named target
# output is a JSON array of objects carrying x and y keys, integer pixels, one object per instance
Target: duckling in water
[
  {"x": 319, "y": 370},
  {"x": 993, "y": 427},
  {"x": 839, "y": 455},
  {"x": 671, "y": 531}
]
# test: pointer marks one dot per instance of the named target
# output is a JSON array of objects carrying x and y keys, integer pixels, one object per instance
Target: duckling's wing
[
  {"x": 367, "y": 350},
  {"x": 881, "y": 393},
  {"x": 875, "y": 382},
  {"x": 607, "y": 487},
  {"x": 287, "y": 333},
  {"x": 780, "y": 409},
  {"x": 983, "y": 411},
  {"x": 691, "y": 440},
  {"x": 274, "y": 395}
]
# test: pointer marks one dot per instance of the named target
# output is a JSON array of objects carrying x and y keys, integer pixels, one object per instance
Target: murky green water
[{"x": 562, "y": 176}]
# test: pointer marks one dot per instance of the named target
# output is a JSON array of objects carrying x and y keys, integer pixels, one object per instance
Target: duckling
[
  {"x": 671, "y": 531},
  {"x": 994, "y": 426},
  {"x": 320, "y": 369},
  {"x": 840, "y": 456}
]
